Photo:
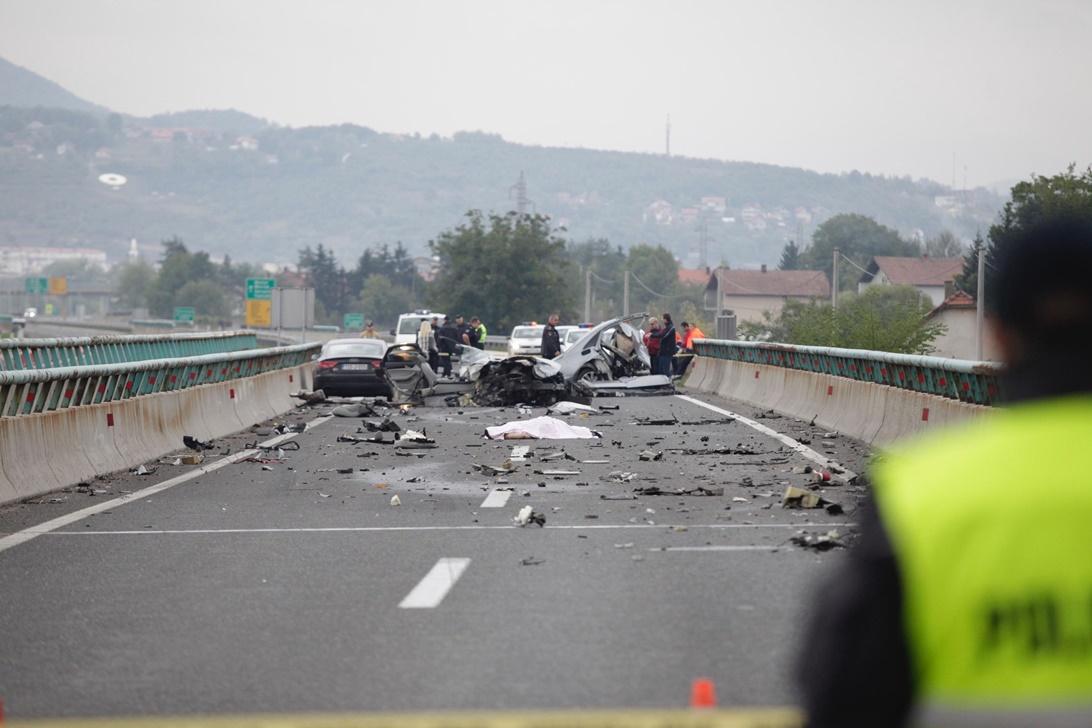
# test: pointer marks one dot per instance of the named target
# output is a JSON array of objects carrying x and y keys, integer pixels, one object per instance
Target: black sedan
[{"x": 352, "y": 368}]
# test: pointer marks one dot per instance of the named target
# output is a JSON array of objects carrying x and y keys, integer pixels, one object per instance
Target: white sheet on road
[
  {"x": 567, "y": 408},
  {"x": 539, "y": 428}
]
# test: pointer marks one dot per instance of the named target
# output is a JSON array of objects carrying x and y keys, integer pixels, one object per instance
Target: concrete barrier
[
  {"x": 874, "y": 413},
  {"x": 43, "y": 452}
]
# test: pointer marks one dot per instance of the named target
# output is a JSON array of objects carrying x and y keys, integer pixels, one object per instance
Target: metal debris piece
[
  {"x": 618, "y": 476},
  {"x": 647, "y": 455},
  {"x": 818, "y": 542},
  {"x": 799, "y": 498},
  {"x": 531, "y": 561},
  {"x": 395, "y": 500},
  {"x": 316, "y": 397}
]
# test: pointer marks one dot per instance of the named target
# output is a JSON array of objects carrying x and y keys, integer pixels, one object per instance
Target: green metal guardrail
[
  {"x": 976, "y": 382},
  {"x": 22, "y": 354},
  {"x": 45, "y": 390}
]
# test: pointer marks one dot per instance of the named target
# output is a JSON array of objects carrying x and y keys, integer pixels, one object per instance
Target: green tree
[
  {"x": 881, "y": 318},
  {"x": 504, "y": 268},
  {"x": 656, "y": 268},
  {"x": 179, "y": 266},
  {"x": 133, "y": 282},
  {"x": 859, "y": 238},
  {"x": 207, "y": 297},
  {"x": 327, "y": 278},
  {"x": 1068, "y": 194},
  {"x": 967, "y": 280},
  {"x": 790, "y": 257},
  {"x": 606, "y": 262},
  {"x": 944, "y": 245},
  {"x": 382, "y": 300}
]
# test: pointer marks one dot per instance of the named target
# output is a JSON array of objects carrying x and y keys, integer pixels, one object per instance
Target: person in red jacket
[{"x": 652, "y": 343}]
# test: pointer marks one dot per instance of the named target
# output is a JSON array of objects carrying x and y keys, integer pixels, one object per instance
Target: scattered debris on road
[
  {"x": 818, "y": 542},
  {"x": 528, "y": 515},
  {"x": 316, "y": 397},
  {"x": 799, "y": 498},
  {"x": 193, "y": 443}
]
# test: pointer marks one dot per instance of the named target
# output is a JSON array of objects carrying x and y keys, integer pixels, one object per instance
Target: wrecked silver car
[{"x": 612, "y": 358}]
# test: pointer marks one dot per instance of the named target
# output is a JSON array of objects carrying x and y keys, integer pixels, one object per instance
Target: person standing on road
[
  {"x": 964, "y": 601},
  {"x": 369, "y": 331},
  {"x": 426, "y": 342},
  {"x": 446, "y": 342},
  {"x": 551, "y": 339},
  {"x": 690, "y": 332},
  {"x": 467, "y": 335},
  {"x": 652, "y": 344},
  {"x": 669, "y": 344},
  {"x": 480, "y": 332},
  {"x": 434, "y": 358}
]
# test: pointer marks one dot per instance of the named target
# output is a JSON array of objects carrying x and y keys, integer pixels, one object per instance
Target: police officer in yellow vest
[{"x": 968, "y": 599}]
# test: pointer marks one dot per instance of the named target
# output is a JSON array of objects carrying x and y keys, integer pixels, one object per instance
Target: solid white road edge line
[
  {"x": 41, "y": 529},
  {"x": 432, "y": 589},
  {"x": 496, "y": 498},
  {"x": 846, "y": 475},
  {"x": 411, "y": 529}
]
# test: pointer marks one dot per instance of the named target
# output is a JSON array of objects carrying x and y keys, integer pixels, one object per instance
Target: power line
[{"x": 654, "y": 293}]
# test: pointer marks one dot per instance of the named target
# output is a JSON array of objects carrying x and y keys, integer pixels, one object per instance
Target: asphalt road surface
[{"x": 289, "y": 586}]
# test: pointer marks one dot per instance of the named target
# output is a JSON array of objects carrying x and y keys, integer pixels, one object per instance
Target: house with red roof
[
  {"x": 928, "y": 275},
  {"x": 751, "y": 293},
  {"x": 959, "y": 314}
]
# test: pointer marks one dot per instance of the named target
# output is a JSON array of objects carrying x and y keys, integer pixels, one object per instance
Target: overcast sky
[{"x": 881, "y": 86}]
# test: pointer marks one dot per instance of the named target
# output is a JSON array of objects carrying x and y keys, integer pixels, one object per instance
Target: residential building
[
  {"x": 959, "y": 314},
  {"x": 752, "y": 293},
  {"x": 694, "y": 276},
  {"x": 17, "y": 260},
  {"x": 928, "y": 275}
]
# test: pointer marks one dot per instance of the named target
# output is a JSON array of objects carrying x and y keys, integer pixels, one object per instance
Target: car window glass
[{"x": 363, "y": 349}]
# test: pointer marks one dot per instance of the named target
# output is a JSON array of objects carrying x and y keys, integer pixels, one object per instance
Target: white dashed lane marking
[{"x": 431, "y": 590}]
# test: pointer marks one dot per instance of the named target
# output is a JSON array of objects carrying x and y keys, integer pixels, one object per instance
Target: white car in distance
[{"x": 526, "y": 340}]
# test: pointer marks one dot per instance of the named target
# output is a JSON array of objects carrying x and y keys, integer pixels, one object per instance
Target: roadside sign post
[
  {"x": 259, "y": 302},
  {"x": 184, "y": 314}
]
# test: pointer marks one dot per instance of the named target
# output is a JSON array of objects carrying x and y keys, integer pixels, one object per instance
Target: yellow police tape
[{"x": 707, "y": 718}]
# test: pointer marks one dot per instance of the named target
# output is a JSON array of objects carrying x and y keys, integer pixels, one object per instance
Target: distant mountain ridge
[
  {"x": 231, "y": 183},
  {"x": 25, "y": 88}
]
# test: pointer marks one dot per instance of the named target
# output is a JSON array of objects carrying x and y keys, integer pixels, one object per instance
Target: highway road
[{"x": 289, "y": 586}]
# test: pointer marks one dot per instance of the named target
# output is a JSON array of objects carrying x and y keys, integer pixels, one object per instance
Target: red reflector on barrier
[
  {"x": 231, "y": 394},
  {"x": 129, "y": 386},
  {"x": 830, "y": 390},
  {"x": 172, "y": 379},
  {"x": 756, "y": 374},
  {"x": 290, "y": 380},
  {"x": 30, "y": 397},
  {"x": 109, "y": 419},
  {"x": 924, "y": 414},
  {"x": 151, "y": 379},
  {"x": 193, "y": 375},
  {"x": 102, "y": 389},
  {"x": 68, "y": 394}
]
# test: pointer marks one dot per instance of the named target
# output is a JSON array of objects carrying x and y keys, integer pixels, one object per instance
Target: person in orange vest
[{"x": 691, "y": 332}]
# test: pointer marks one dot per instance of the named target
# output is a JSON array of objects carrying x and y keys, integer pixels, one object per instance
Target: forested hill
[{"x": 230, "y": 183}]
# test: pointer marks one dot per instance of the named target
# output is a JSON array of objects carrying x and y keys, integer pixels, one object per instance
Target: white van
[{"x": 410, "y": 323}]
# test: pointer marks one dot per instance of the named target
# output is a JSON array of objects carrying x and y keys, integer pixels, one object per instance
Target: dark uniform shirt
[{"x": 551, "y": 342}]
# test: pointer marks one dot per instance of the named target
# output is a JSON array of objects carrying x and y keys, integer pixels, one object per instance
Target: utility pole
[
  {"x": 520, "y": 188},
  {"x": 980, "y": 303},
  {"x": 625, "y": 293},
  {"x": 587, "y": 295},
  {"x": 834, "y": 279},
  {"x": 703, "y": 241}
]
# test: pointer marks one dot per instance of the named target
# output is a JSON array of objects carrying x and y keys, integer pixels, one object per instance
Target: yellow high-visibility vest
[{"x": 991, "y": 525}]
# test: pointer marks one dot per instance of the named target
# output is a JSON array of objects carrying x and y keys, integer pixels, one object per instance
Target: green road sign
[
  {"x": 184, "y": 314},
  {"x": 352, "y": 321},
  {"x": 36, "y": 285},
  {"x": 260, "y": 289}
]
